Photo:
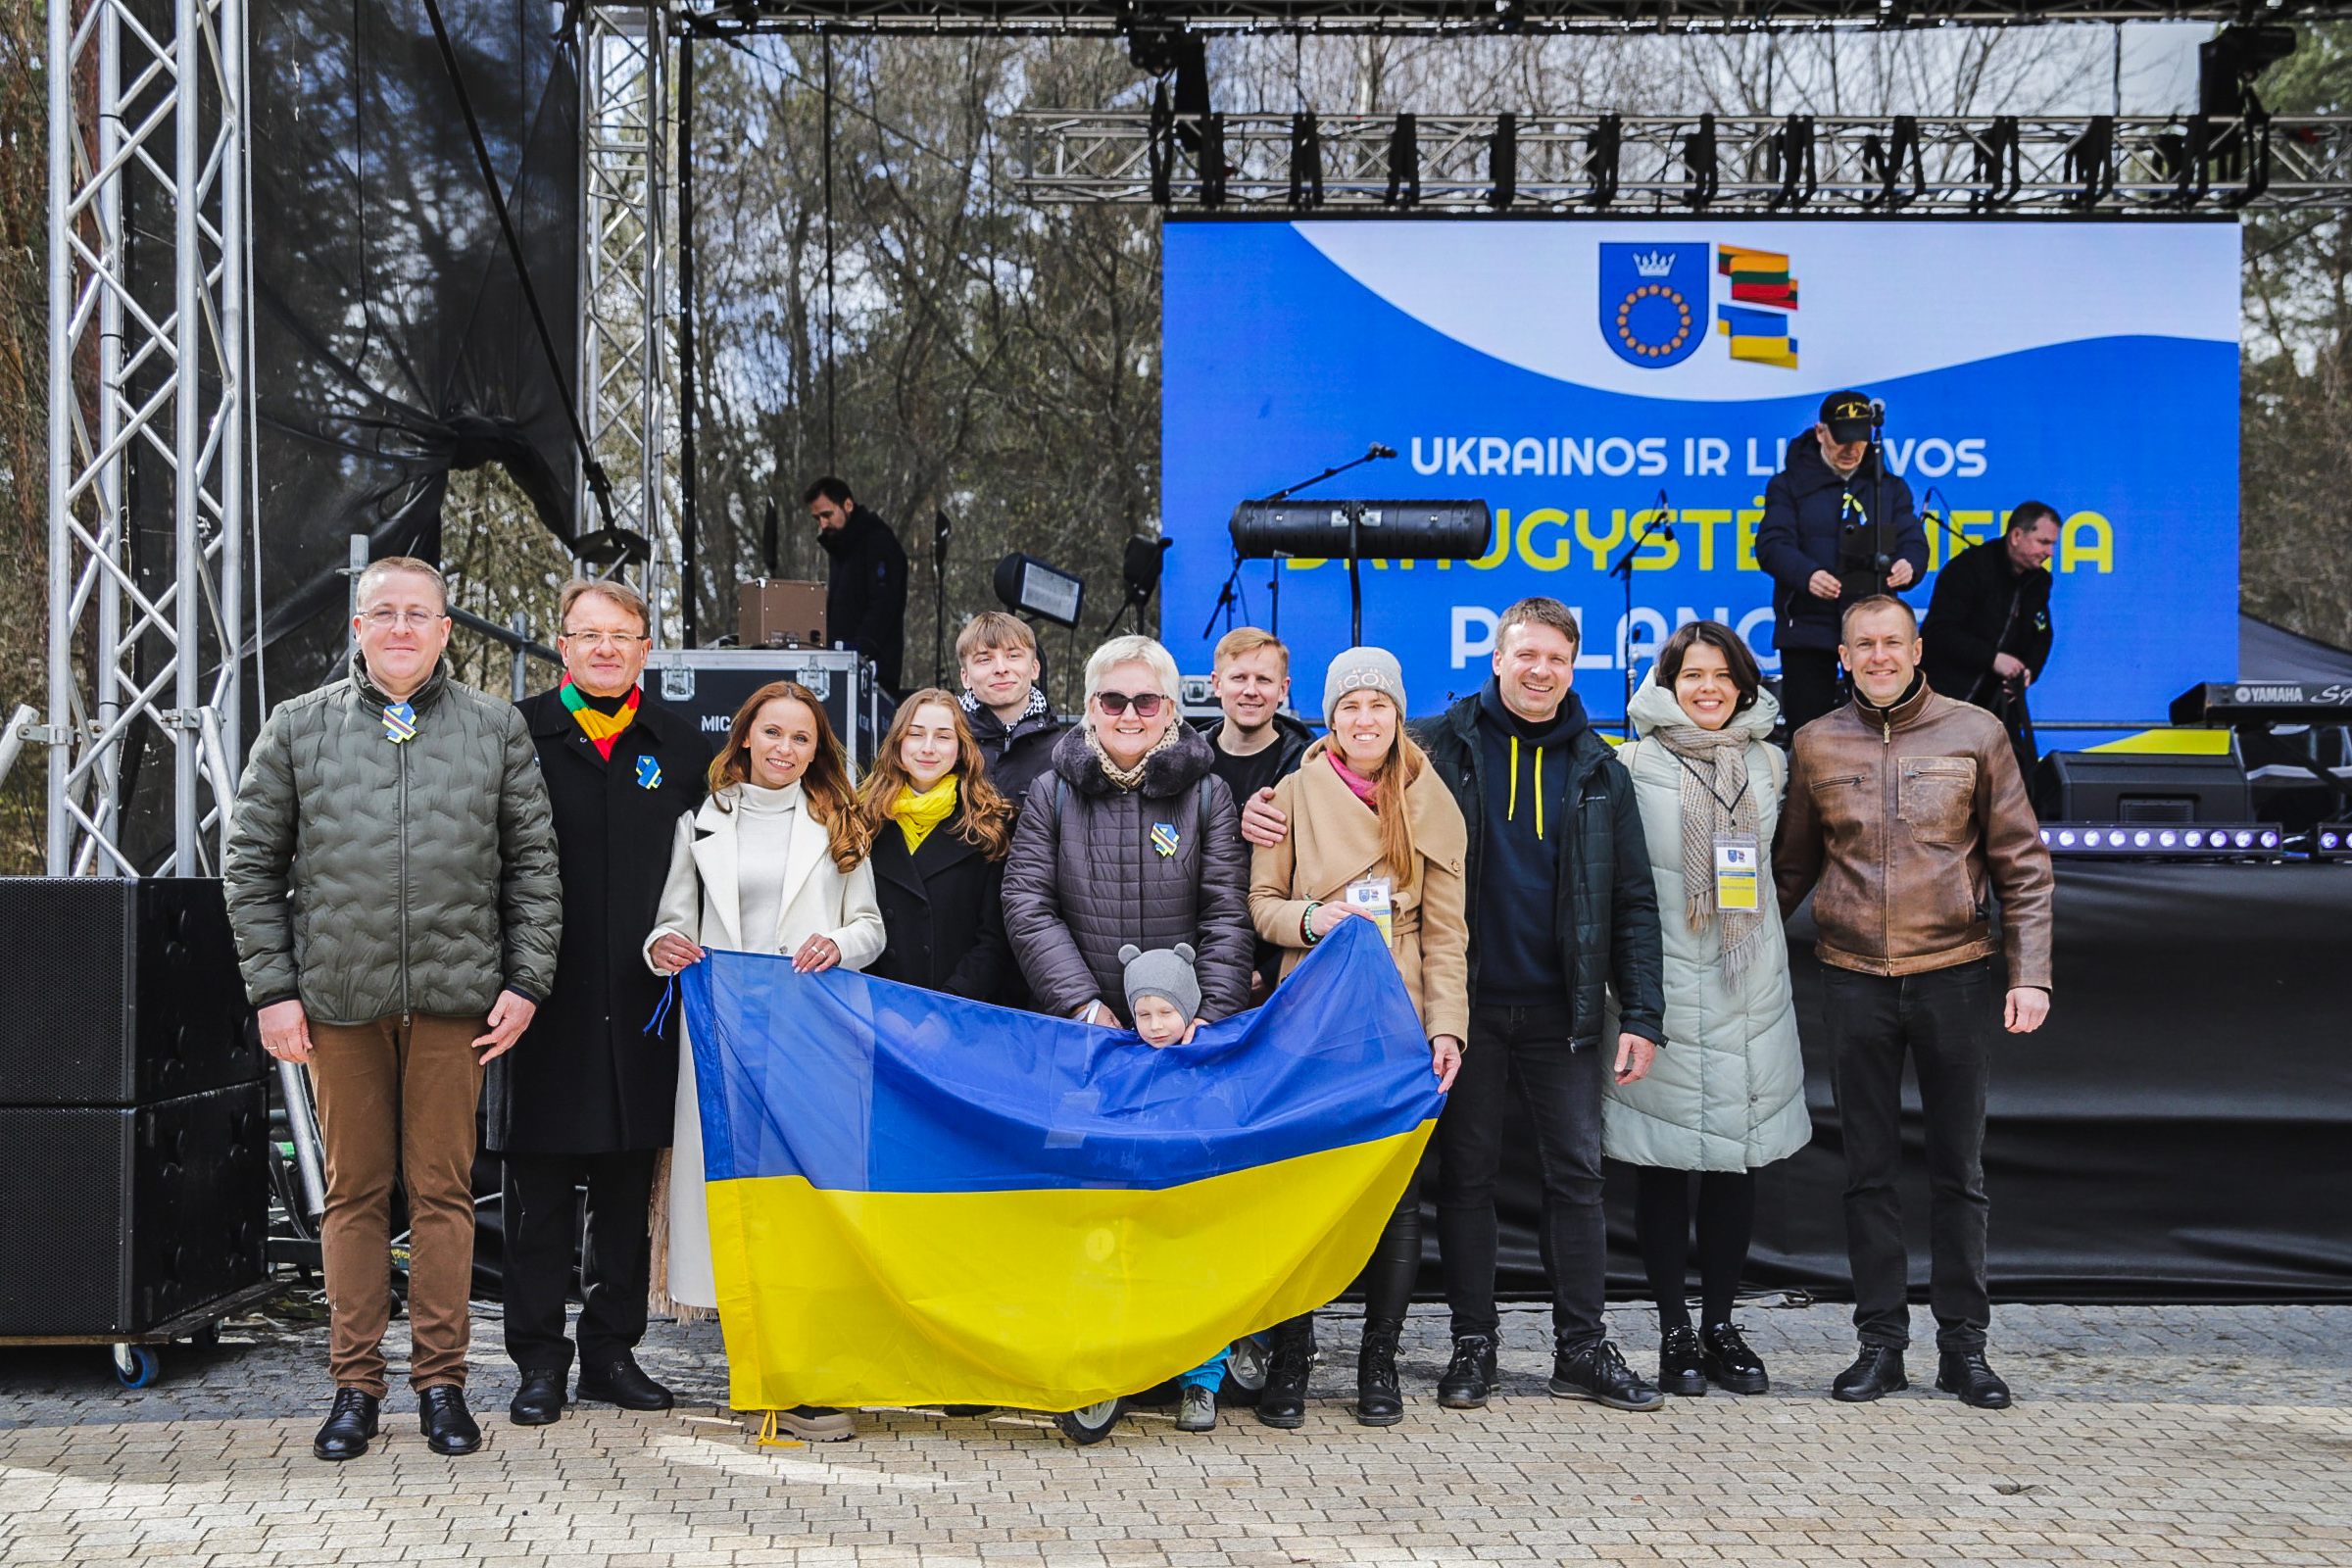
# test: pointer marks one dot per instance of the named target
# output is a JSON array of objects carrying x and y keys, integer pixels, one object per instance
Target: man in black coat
[
  {"x": 586, "y": 1095},
  {"x": 865, "y": 595},
  {"x": 996, "y": 659},
  {"x": 1563, "y": 909},
  {"x": 1987, "y": 632},
  {"x": 1819, "y": 542}
]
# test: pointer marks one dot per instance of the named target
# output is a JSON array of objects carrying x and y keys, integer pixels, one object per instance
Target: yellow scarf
[{"x": 919, "y": 813}]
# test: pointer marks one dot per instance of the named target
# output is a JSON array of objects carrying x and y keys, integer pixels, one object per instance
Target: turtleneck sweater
[{"x": 763, "y": 827}]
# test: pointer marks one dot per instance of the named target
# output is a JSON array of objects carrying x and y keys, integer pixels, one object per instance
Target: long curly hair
[
  {"x": 824, "y": 782},
  {"x": 987, "y": 815}
]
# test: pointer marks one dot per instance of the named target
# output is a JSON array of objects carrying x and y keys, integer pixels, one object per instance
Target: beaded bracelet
[{"x": 1306, "y": 922}]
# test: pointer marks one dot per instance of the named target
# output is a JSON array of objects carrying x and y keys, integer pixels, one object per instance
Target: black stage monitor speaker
[
  {"x": 116, "y": 992},
  {"x": 2140, "y": 787},
  {"x": 1385, "y": 530},
  {"x": 119, "y": 1218}
]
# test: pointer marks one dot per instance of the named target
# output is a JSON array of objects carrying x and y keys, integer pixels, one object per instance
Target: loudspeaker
[
  {"x": 115, "y": 992},
  {"x": 2140, "y": 787},
  {"x": 123, "y": 1217}
]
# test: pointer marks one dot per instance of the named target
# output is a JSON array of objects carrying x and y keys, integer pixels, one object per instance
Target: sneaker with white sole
[{"x": 817, "y": 1423}]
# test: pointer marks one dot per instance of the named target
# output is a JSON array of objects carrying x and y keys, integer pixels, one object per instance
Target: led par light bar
[
  {"x": 2332, "y": 841},
  {"x": 2184, "y": 841}
]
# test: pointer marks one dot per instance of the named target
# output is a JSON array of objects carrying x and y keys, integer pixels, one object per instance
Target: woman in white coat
[
  {"x": 1728, "y": 1093},
  {"x": 772, "y": 862}
]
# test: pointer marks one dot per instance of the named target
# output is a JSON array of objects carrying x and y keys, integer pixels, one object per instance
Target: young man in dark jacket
[
  {"x": 996, "y": 659},
  {"x": 1819, "y": 542},
  {"x": 1256, "y": 744},
  {"x": 1989, "y": 632},
  {"x": 865, "y": 594},
  {"x": 1562, "y": 911}
]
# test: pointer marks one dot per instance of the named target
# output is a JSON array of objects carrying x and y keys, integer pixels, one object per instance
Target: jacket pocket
[{"x": 1934, "y": 796}]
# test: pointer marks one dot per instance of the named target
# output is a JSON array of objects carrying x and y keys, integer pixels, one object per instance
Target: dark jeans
[
  {"x": 1810, "y": 685},
  {"x": 542, "y": 1224},
  {"x": 1527, "y": 1048},
  {"x": 1945, "y": 1018}
]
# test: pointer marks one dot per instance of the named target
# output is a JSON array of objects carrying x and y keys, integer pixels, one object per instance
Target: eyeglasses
[
  {"x": 386, "y": 619},
  {"x": 605, "y": 639},
  {"x": 1145, "y": 704}
]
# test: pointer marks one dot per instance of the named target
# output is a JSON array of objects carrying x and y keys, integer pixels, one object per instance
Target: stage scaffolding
[{"x": 151, "y": 518}]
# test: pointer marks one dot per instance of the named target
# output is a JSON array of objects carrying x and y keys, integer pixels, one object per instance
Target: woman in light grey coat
[{"x": 1727, "y": 1094}]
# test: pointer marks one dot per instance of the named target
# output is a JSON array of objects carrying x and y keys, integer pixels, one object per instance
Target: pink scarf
[{"x": 1364, "y": 789}]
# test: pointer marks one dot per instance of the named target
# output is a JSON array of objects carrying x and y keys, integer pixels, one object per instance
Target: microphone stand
[
  {"x": 1624, "y": 567},
  {"x": 1879, "y": 562}
]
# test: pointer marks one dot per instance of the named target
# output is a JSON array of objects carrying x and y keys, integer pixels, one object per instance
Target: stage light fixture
[
  {"x": 2332, "y": 841},
  {"x": 2134, "y": 841},
  {"x": 1027, "y": 586}
]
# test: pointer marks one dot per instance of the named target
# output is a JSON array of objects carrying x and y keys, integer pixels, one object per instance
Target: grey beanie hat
[
  {"x": 1363, "y": 669},
  {"x": 1164, "y": 972}
]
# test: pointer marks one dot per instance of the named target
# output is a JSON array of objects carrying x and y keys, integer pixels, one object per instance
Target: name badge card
[
  {"x": 1736, "y": 870},
  {"x": 1375, "y": 895}
]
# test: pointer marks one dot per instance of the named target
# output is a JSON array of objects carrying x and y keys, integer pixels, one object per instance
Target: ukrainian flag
[
  {"x": 1757, "y": 335},
  {"x": 916, "y": 1199}
]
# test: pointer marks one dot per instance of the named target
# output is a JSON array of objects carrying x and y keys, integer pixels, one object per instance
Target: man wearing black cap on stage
[{"x": 1821, "y": 540}]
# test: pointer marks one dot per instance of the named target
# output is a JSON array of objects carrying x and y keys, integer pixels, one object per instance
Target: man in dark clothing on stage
[
  {"x": 1988, "y": 631},
  {"x": 1819, "y": 542},
  {"x": 865, "y": 597}
]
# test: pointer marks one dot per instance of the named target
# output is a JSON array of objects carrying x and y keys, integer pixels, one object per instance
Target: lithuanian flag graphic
[
  {"x": 1758, "y": 277},
  {"x": 915, "y": 1199}
]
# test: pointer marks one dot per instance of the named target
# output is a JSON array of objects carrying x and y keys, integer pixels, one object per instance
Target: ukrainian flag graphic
[
  {"x": 915, "y": 1199},
  {"x": 1757, "y": 335}
]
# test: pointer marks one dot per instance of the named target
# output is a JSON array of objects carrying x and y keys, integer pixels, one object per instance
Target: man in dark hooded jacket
[
  {"x": 1821, "y": 544},
  {"x": 865, "y": 595}
]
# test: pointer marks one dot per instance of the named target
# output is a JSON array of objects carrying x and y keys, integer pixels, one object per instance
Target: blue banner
[{"x": 1568, "y": 371}]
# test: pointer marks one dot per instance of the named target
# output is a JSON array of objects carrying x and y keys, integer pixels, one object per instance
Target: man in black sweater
[
  {"x": 865, "y": 595},
  {"x": 1562, "y": 911},
  {"x": 1987, "y": 632}
]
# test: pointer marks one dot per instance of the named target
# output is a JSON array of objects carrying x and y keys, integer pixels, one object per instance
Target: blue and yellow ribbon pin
[
  {"x": 1163, "y": 838},
  {"x": 400, "y": 722}
]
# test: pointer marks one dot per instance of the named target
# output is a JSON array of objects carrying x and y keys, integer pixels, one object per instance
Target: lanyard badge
[
  {"x": 1736, "y": 872},
  {"x": 400, "y": 722}
]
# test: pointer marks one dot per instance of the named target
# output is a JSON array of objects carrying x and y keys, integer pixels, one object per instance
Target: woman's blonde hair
[
  {"x": 987, "y": 815},
  {"x": 824, "y": 783},
  {"x": 1134, "y": 650}
]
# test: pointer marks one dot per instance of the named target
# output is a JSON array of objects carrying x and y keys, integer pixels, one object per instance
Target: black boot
[
  {"x": 449, "y": 1427},
  {"x": 1283, "y": 1401},
  {"x": 1877, "y": 1371},
  {"x": 539, "y": 1402},
  {"x": 1379, "y": 1402},
  {"x": 1964, "y": 1372},
  {"x": 623, "y": 1382},
  {"x": 349, "y": 1427},
  {"x": 1681, "y": 1371},
  {"x": 1596, "y": 1372},
  {"x": 1469, "y": 1378},
  {"x": 1730, "y": 1361}
]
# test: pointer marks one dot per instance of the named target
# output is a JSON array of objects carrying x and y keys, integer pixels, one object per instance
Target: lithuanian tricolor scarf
[{"x": 601, "y": 728}]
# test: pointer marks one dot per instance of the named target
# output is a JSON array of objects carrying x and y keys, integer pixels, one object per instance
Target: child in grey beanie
[{"x": 1163, "y": 993}]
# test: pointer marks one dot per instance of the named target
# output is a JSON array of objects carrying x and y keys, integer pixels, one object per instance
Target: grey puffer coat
[
  {"x": 1086, "y": 875},
  {"x": 1728, "y": 1093},
  {"x": 371, "y": 879}
]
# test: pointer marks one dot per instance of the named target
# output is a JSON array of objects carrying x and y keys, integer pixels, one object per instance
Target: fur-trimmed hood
[{"x": 1169, "y": 771}]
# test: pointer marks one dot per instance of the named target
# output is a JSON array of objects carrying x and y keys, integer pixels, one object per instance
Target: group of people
[{"x": 431, "y": 888}]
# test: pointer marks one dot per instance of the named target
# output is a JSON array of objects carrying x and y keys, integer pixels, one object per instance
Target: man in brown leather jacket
[{"x": 1905, "y": 818}]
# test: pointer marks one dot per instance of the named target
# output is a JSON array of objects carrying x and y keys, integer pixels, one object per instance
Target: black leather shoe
[
  {"x": 1283, "y": 1401},
  {"x": 449, "y": 1427},
  {"x": 1725, "y": 1354},
  {"x": 1964, "y": 1372},
  {"x": 1379, "y": 1402},
  {"x": 539, "y": 1402},
  {"x": 349, "y": 1426},
  {"x": 623, "y": 1383},
  {"x": 1877, "y": 1371},
  {"x": 1598, "y": 1373},
  {"x": 1468, "y": 1381},
  {"x": 1680, "y": 1371}
]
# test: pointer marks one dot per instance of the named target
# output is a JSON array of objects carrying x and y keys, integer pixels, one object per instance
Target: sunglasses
[{"x": 1145, "y": 704}]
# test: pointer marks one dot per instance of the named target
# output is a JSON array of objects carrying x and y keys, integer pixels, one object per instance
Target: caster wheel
[
  {"x": 138, "y": 1366},
  {"x": 1245, "y": 1373},
  {"x": 1092, "y": 1423},
  {"x": 208, "y": 1338}
]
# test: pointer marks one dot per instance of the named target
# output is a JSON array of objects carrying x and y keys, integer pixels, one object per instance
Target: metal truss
[
  {"x": 1455, "y": 18},
  {"x": 628, "y": 367},
  {"x": 149, "y": 433},
  {"x": 1914, "y": 165}
]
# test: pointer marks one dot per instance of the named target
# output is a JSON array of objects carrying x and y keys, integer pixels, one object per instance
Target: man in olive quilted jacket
[{"x": 392, "y": 881}]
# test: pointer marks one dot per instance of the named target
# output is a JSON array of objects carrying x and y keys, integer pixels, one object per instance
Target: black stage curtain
[{"x": 2181, "y": 1129}]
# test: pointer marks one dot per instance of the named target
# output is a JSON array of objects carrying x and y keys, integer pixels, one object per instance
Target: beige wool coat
[{"x": 1335, "y": 839}]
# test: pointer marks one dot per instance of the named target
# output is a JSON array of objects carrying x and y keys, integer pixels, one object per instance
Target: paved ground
[{"x": 2167, "y": 1435}]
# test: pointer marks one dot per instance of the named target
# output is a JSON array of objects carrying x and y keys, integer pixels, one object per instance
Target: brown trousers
[{"x": 396, "y": 1102}]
